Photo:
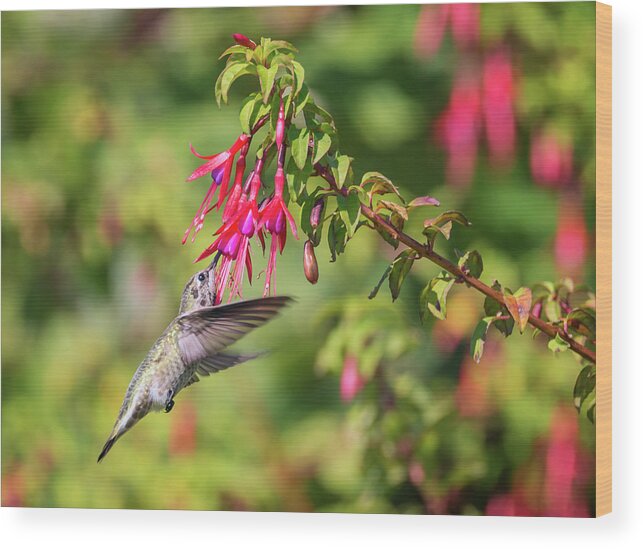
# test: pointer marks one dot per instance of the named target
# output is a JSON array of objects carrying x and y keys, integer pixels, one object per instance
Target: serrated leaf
[
  {"x": 322, "y": 146},
  {"x": 377, "y": 287},
  {"x": 433, "y": 299},
  {"x": 519, "y": 306},
  {"x": 349, "y": 209},
  {"x": 401, "y": 267},
  {"x": 423, "y": 201},
  {"x": 299, "y": 148},
  {"x": 471, "y": 263},
  {"x": 492, "y": 308},
  {"x": 228, "y": 76},
  {"x": 266, "y": 80},
  {"x": 558, "y": 344},
  {"x": 479, "y": 338},
  {"x": 395, "y": 208},
  {"x": 585, "y": 384}
]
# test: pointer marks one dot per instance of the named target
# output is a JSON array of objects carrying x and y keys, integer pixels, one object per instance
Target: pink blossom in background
[
  {"x": 351, "y": 382},
  {"x": 457, "y": 129},
  {"x": 465, "y": 24},
  {"x": 551, "y": 160},
  {"x": 497, "y": 106},
  {"x": 429, "y": 30},
  {"x": 464, "y": 20},
  {"x": 571, "y": 241},
  {"x": 508, "y": 505},
  {"x": 562, "y": 465}
]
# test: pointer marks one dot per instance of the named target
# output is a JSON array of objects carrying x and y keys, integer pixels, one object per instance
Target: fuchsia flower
[
  {"x": 273, "y": 220},
  {"x": 351, "y": 382},
  {"x": 219, "y": 166},
  {"x": 464, "y": 20},
  {"x": 458, "y": 128},
  {"x": 497, "y": 106},
  {"x": 551, "y": 160}
]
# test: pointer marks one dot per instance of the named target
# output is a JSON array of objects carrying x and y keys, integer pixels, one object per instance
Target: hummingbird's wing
[{"x": 205, "y": 332}]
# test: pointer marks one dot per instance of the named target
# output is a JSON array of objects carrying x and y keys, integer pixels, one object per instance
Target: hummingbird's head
[{"x": 199, "y": 291}]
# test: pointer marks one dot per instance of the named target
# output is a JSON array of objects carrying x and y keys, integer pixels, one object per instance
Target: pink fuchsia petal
[
  {"x": 351, "y": 382},
  {"x": 551, "y": 160},
  {"x": 571, "y": 244},
  {"x": 429, "y": 30},
  {"x": 497, "y": 98},
  {"x": 207, "y": 168},
  {"x": 465, "y": 24}
]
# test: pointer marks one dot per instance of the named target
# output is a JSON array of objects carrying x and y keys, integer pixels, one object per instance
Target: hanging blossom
[
  {"x": 244, "y": 216},
  {"x": 219, "y": 166}
]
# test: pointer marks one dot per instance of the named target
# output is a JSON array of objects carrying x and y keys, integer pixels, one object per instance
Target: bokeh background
[{"x": 357, "y": 407}]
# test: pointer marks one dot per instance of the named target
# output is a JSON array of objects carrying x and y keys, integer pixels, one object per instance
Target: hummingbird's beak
[{"x": 215, "y": 261}]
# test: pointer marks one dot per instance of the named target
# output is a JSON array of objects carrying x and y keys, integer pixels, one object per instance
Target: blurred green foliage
[{"x": 98, "y": 108}]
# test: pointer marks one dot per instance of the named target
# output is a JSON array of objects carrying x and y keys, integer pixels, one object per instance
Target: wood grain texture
[{"x": 604, "y": 258}]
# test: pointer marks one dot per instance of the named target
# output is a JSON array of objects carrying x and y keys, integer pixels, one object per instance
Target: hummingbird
[{"x": 190, "y": 347}]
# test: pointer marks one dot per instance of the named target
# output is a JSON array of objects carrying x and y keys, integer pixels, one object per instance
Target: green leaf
[
  {"x": 336, "y": 237},
  {"x": 299, "y": 73},
  {"x": 245, "y": 114},
  {"x": 228, "y": 76},
  {"x": 519, "y": 306},
  {"x": 433, "y": 299},
  {"x": 479, "y": 338},
  {"x": 384, "y": 234},
  {"x": 584, "y": 317},
  {"x": 552, "y": 310},
  {"x": 450, "y": 215},
  {"x": 301, "y": 103},
  {"x": 237, "y": 48},
  {"x": 381, "y": 184},
  {"x": 471, "y": 263},
  {"x": 401, "y": 267},
  {"x": 386, "y": 274},
  {"x": 299, "y": 148},
  {"x": 423, "y": 201},
  {"x": 275, "y": 45},
  {"x": 591, "y": 411},
  {"x": 432, "y": 231},
  {"x": 494, "y": 309},
  {"x": 266, "y": 80},
  {"x": 343, "y": 167},
  {"x": 349, "y": 210},
  {"x": 558, "y": 344},
  {"x": 323, "y": 142},
  {"x": 585, "y": 384}
]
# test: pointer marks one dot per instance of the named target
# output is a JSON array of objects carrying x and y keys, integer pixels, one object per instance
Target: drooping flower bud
[
  {"x": 311, "y": 270},
  {"x": 243, "y": 40},
  {"x": 317, "y": 212},
  {"x": 281, "y": 126}
]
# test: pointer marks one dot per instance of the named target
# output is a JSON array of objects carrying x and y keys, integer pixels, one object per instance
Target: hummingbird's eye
[{"x": 201, "y": 277}]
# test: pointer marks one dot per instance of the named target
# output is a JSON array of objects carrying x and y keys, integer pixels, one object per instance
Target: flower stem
[{"x": 426, "y": 252}]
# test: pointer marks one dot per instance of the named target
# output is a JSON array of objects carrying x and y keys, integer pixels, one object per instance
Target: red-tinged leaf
[
  {"x": 395, "y": 208},
  {"x": 519, "y": 305},
  {"x": 424, "y": 201}
]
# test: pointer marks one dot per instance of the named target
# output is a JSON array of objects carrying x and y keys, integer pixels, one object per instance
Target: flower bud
[
  {"x": 243, "y": 40},
  {"x": 317, "y": 212},
  {"x": 281, "y": 126},
  {"x": 311, "y": 269}
]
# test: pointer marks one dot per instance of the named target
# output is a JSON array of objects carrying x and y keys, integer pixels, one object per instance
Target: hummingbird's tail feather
[{"x": 108, "y": 446}]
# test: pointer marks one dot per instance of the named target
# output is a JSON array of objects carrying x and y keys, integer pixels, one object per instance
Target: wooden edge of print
[{"x": 604, "y": 259}]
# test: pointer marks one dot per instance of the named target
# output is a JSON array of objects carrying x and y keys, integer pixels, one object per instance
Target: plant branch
[{"x": 426, "y": 252}]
